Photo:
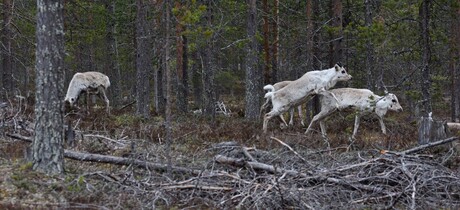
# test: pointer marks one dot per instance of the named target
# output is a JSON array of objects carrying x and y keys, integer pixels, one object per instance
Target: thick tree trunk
[
  {"x": 143, "y": 60},
  {"x": 48, "y": 151},
  {"x": 7, "y": 61},
  {"x": 426, "y": 57},
  {"x": 208, "y": 70},
  {"x": 252, "y": 73}
]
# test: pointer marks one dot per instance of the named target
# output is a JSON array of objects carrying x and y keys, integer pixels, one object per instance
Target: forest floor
[{"x": 228, "y": 163}]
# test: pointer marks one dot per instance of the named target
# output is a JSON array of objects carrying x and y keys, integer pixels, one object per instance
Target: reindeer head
[
  {"x": 70, "y": 100},
  {"x": 341, "y": 73},
  {"x": 393, "y": 103}
]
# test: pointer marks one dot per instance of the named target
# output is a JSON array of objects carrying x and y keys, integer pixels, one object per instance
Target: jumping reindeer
[
  {"x": 275, "y": 87},
  {"x": 299, "y": 91}
]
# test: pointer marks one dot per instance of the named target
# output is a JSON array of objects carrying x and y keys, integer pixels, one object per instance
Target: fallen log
[
  {"x": 113, "y": 159},
  {"x": 428, "y": 145}
]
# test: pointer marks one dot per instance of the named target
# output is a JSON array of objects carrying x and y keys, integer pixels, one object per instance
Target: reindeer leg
[
  {"x": 291, "y": 115},
  {"x": 322, "y": 125},
  {"x": 276, "y": 111},
  {"x": 263, "y": 107},
  {"x": 103, "y": 96},
  {"x": 267, "y": 117},
  {"x": 382, "y": 125},
  {"x": 283, "y": 120},
  {"x": 299, "y": 108},
  {"x": 320, "y": 116}
]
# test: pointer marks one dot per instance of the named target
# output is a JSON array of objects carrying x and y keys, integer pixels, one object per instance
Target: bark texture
[
  {"x": 49, "y": 133},
  {"x": 426, "y": 57},
  {"x": 143, "y": 60},
  {"x": 253, "y": 76}
]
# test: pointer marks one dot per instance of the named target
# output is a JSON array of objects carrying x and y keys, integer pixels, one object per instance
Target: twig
[
  {"x": 289, "y": 147},
  {"x": 104, "y": 137},
  {"x": 129, "y": 104}
]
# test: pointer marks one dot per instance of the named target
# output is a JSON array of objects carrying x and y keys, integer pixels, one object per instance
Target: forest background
[{"x": 211, "y": 52}]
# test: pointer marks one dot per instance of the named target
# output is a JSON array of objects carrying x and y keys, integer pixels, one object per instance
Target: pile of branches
[{"x": 245, "y": 177}]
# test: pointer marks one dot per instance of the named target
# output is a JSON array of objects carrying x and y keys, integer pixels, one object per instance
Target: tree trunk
[
  {"x": 276, "y": 44},
  {"x": 143, "y": 60},
  {"x": 266, "y": 32},
  {"x": 252, "y": 73},
  {"x": 181, "y": 64},
  {"x": 168, "y": 88},
  {"x": 48, "y": 151},
  {"x": 453, "y": 62},
  {"x": 160, "y": 99},
  {"x": 369, "y": 46},
  {"x": 7, "y": 64},
  {"x": 208, "y": 69},
  {"x": 112, "y": 67},
  {"x": 337, "y": 37},
  {"x": 426, "y": 56},
  {"x": 196, "y": 80}
]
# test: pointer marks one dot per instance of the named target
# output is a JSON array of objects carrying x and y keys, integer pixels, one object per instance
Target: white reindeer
[
  {"x": 91, "y": 83},
  {"x": 363, "y": 101},
  {"x": 300, "y": 90},
  {"x": 275, "y": 87}
]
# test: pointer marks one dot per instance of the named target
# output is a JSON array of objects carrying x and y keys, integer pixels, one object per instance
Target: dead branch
[
  {"x": 129, "y": 104},
  {"x": 192, "y": 186},
  {"x": 247, "y": 154},
  {"x": 428, "y": 145},
  {"x": 255, "y": 165}
]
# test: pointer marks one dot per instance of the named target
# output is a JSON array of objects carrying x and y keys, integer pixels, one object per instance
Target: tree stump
[{"x": 430, "y": 130}]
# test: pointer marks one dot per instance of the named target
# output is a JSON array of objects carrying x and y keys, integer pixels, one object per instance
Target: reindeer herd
[
  {"x": 287, "y": 95},
  {"x": 284, "y": 96}
]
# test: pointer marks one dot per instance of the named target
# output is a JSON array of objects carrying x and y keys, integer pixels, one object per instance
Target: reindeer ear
[
  {"x": 386, "y": 92},
  {"x": 337, "y": 67}
]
